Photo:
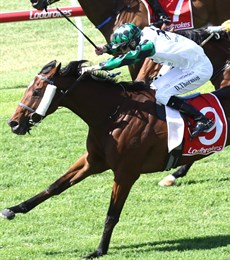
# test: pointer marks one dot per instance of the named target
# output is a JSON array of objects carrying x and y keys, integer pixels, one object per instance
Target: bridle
[{"x": 35, "y": 117}]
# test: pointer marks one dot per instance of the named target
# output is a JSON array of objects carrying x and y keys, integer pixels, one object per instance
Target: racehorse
[
  {"x": 110, "y": 14},
  {"x": 122, "y": 123},
  {"x": 113, "y": 13}
]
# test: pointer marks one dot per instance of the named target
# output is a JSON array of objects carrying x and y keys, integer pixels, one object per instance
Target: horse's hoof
[
  {"x": 7, "y": 213},
  {"x": 95, "y": 254},
  {"x": 168, "y": 181}
]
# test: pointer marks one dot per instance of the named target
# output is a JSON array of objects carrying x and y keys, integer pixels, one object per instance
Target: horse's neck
[
  {"x": 116, "y": 11},
  {"x": 211, "y": 49},
  {"x": 98, "y": 11},
  {"x": 209, "y": 11},
  {"x": 93, "y": 101}
]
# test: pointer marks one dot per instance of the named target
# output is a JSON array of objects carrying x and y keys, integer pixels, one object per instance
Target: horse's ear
[
  {"x": 81, "y": 63},
  {"x": 58, "y": 67}
]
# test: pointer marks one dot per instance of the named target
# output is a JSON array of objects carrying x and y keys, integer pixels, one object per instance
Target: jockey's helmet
[{"x": 126, "y": 34}]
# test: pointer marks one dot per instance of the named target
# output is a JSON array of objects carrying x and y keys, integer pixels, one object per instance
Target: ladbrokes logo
[
  {"x": 47, "y": 15},
  {"x": 179, "y": 26},
  {"x": 203, "y": 150}
]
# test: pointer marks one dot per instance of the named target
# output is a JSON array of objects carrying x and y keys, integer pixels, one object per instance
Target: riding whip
[{"x": 67, "y": 18}]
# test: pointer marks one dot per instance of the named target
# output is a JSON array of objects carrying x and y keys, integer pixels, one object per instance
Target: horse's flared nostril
[{"x": 12, "y": 123}]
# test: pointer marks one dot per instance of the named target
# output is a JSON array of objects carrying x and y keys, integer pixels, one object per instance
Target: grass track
[{"x": 190, "y": 221}]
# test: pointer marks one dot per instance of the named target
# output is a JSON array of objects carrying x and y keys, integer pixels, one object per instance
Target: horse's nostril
[{"x": 12, "y": 123}]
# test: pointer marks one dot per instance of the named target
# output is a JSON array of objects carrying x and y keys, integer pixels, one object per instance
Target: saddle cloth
[
  {"x": 180, "y": 13},
  {"x": 207, "y": 142}
]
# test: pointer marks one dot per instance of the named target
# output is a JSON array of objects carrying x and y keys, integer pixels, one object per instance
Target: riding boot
[{"x": 202, "y": 122}]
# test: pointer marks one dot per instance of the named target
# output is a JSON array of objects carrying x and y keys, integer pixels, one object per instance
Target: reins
[{"x": 227, "y": 64}]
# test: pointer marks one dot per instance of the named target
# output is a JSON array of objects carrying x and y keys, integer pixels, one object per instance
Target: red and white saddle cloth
[
  {"x": 207, "y": 142},
  {"x": 179, "y": 11}
]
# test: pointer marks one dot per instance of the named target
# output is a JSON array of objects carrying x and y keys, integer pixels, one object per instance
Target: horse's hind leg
[
  {"x": 170, "y": 180},
  {"x": 79, "y": 171}
]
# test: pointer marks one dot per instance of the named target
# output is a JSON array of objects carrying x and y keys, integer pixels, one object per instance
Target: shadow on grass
[
  {"x": 197, "y": 243},
  {"x": 192, "y": 182},
  {"x": 14, "y": 87}
]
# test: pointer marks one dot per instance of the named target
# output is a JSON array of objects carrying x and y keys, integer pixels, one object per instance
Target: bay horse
[
  {"x": 110, "y": 14},
  {"x": 107, "y": 15},
  {"x": 124, "y": 133}
]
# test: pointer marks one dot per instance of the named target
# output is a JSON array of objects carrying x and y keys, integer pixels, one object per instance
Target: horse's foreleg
[
  {"x": 79, "y": 171},
  {"x": 119, "y": 195},
  {"x": 170, "y": 180}
]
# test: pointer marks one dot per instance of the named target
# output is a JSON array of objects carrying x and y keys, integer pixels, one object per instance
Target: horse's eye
[{"x": 36, "y": 93}]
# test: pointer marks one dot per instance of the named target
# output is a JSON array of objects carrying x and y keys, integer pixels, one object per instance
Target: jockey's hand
[
  {"x": 100, "y": 50},
  {"x": 162, "y": 21},
  {"x": 90, "y": 69},
  {"x": 42, "y": 4},
  {"x": 165, "y": 19}
]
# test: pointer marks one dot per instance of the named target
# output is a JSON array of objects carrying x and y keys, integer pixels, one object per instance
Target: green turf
[{"x": 189, "y": 221}]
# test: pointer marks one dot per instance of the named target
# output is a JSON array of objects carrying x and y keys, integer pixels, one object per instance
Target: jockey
[{"x": 189, "y": 66}]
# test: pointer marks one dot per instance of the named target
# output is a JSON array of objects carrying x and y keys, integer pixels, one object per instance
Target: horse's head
[
  {"x": 36, "y": 100},
  {"x": 44, "y": 95}
]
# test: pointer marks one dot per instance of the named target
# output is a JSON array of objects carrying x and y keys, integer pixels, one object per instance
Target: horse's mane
[
  {"x": 74, "y": 69},
  {"x": 199, "y": 35}
]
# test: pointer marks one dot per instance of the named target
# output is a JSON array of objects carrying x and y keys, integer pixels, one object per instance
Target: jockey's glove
[
  {"x": 165, "y": 19},
  {"x": 161, "y": 20}
]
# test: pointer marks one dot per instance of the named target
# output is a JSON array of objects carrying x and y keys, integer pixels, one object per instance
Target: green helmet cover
[{"x": 124, "y": 34}]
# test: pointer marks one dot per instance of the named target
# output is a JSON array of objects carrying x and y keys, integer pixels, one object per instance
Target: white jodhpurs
[{"x": 180, "y": 81}]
